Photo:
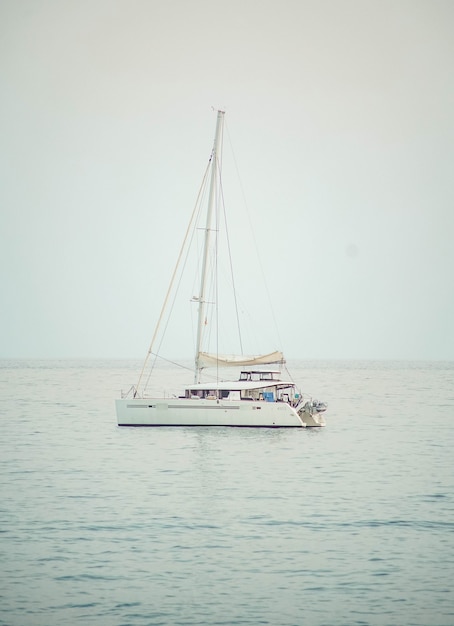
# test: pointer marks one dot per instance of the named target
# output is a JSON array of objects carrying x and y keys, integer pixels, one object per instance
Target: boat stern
[{"x": 312, "y": 413}]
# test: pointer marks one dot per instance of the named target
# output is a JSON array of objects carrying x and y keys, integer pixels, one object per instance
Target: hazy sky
[{"x": 341, "y": 114}]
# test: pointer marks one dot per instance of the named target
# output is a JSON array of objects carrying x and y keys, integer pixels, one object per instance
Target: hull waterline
[{"x": 202, "y": 412}]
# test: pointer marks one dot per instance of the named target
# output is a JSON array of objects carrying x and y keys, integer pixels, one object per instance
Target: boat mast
[{"x": 206, "y": 249}]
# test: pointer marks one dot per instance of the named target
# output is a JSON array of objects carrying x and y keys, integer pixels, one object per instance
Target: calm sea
[{"x": 348, "y": 525}]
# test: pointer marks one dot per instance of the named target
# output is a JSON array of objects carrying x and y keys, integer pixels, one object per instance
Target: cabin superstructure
[{"x": 255, "y": 385}]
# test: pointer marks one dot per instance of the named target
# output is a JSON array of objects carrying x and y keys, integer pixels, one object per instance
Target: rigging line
[
  {"x": 287, "y": 372},
  {"x": 184, "y": 367},
  {"x": 285, "y": 368},
  {"x": 188, "y": 248},
  {"x": 198, "y": 263},
  {"x": 180, "y": 278},
  {"x": 232, "y": 276},
  {"x": 270, "y": 302},
  {"x": 207, "y": 244},
  {"x": 216, "y": 263},
  {"x": 216, "y": 286},
  {"x": 218, "y": 164},
  {"x": 176, "y": 291},
  {"x": 210, "y": 328},
  {"x": 164, "y": 306}
]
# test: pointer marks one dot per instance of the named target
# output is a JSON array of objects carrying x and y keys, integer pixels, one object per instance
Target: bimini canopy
[{"x": 229, "y": 360}]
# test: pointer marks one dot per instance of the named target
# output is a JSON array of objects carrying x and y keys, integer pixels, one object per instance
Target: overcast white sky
[{"x": 341, "y": 114}]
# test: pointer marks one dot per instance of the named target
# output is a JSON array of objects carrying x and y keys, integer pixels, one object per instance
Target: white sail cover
[{"x": 226, "y": 360}]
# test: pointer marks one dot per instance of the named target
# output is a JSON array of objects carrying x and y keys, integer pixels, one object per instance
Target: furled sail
[{"x": 225, "y": 360}]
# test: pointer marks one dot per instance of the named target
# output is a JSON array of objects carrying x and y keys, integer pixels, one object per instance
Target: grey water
[{"x": 352, "y": 524}]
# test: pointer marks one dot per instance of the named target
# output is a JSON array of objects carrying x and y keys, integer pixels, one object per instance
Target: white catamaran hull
[
  {"x": 204, "y": 412},
  {"x": 259, "y": 397}
]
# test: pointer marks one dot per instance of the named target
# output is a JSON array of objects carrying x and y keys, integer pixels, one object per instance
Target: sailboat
[{"x": 259, "y": 396}]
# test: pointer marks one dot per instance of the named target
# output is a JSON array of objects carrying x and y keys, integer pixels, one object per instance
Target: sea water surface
[{"x": 348, "y": 525}]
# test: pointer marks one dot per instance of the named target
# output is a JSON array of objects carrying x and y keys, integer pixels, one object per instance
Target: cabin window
[{"x": 250, "y": 394}]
